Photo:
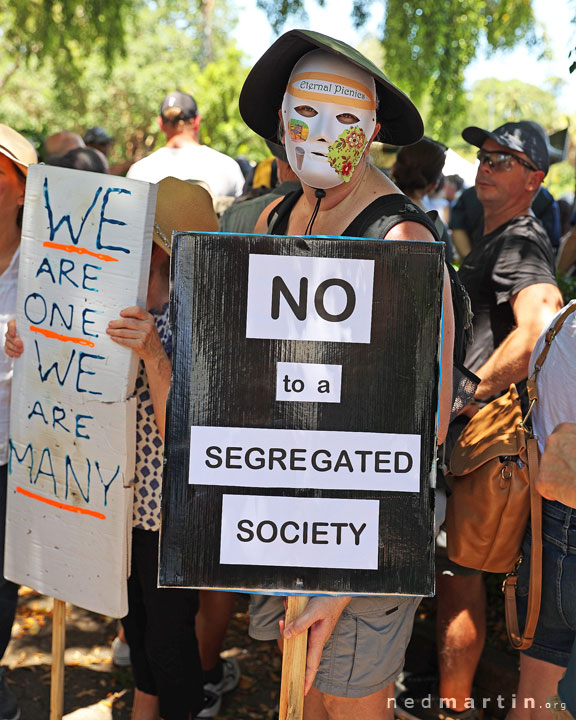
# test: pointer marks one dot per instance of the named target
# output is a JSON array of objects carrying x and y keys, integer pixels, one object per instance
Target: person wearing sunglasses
[{"x": 509, "y": 275}]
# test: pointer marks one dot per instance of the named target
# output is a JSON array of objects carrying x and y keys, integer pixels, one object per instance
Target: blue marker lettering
[
  {"x": 70, "y": 469},
  {"x": 81, "y": 371},
  {"x": 35, "y": 315},
  {"x": 85, "y": 276},
  {"x": 29, "y": 449},
  {"x": 69, "y": 264},
  {"x": 106, "y": 487},
  {"x": 56, "y": 308},
  {"x": 80, "y": 425},
  {"x": 45, "y": 267},
  {"x": 50, "y": 473},
  {"x": 39, "y": 411},
  {"x": 85, "y": 321},
  {"x": 103, "y": 220},
  {"x": 58, "y": 414},
  {"x": 65, "y": 219},
  {"x": 45, "y": 376}
]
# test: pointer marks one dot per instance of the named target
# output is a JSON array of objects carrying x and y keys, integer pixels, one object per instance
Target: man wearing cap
[
  {"x": 183, "y": 156},
  {"x": 16, "y": 153},
  {"x": 241, "y": 217},
  {"x": 332, "y": 103},
  {"x": 509, "y": 277}
]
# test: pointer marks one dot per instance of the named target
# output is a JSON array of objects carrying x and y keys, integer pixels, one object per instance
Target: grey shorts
[{"x": 365, "y": 652}]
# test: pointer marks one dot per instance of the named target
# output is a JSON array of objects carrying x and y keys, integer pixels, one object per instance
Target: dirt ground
[{"x": 96, "y": 690}]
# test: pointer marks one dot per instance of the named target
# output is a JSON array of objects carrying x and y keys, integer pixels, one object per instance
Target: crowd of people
[{"x": 506, "y": 234}]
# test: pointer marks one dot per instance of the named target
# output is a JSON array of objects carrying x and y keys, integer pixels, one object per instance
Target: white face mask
[{"x": 329, "y": 114}]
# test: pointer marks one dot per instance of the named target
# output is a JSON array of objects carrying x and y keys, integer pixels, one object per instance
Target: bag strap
[
  {"x": 550, "y": 335},
  {"x": 522, "y": 641}
]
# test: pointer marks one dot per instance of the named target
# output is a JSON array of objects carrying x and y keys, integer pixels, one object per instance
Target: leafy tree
[
  {"x": 165, "y": 47},
  {"x": 429, "y": 44},
  {"x": 492, "y": 102}
]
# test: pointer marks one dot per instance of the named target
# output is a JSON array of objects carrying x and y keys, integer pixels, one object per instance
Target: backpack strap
[
  {"x": 279, "y": 216},
  {"x": 385, "y": 213}
]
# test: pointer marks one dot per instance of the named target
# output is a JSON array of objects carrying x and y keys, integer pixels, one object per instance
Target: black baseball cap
[
  {"x": 264, "y": 88},
  {"x": 179, "y": 101},
  {"x": 526, "y": 136},
  {"x": 97, "y": 136}
]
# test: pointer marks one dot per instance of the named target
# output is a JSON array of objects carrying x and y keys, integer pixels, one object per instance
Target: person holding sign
[
  {"x": 330, "y": 103},
  {"x": 16, "y": 153},
  {"x": 160, "y": 625}
]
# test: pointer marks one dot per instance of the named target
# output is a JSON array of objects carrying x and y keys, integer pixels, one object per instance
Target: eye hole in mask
[{"x": 329, "y": 115}]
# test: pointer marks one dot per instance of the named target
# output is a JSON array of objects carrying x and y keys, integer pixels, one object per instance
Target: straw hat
[
  {"x": 17, "y": 148},
  {"x": 182, "y": 206}
]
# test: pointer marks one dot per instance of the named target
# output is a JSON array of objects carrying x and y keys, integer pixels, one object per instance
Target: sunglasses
[{"x": 501, "y": 160}]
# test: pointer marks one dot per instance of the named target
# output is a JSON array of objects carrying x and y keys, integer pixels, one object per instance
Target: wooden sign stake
[
  {"x": 293, "y": 665},
  {"x": 58, "y": 648}
]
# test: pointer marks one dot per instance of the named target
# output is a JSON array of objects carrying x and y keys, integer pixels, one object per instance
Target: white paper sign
[
  {"x": 309, "y": 298},
  {"x": 308, "y": 382},
  {"x": 329, "y": 460},
  {"x": 299, "y": 532},
  {"x": 85, "y": 255}
]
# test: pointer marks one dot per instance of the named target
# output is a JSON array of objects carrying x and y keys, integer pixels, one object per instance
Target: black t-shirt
[{"x": 512, "y": 257}]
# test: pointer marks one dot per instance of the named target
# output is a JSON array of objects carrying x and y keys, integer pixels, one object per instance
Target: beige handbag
[{"x": 493, "y": 467}]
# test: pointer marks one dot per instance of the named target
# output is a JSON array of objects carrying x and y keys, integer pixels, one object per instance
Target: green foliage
[
  {"x": 493, "y": 102},
  {"x": 166, "y": 49},
  {"x": 567, "y": 287},
  {"x": 64, "y": 30},
  {"x": 560, "y": 179},
  {"x": 440, "y": 41}
]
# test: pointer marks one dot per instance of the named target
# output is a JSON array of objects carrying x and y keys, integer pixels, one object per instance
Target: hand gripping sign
[{"x": 302, "y": 415}]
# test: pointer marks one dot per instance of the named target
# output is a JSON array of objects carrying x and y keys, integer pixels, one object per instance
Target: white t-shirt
[
  {"x": 8, "y": 286},
  {"x": 192, "y": 162},
  {"x": 556, "y": 381}
]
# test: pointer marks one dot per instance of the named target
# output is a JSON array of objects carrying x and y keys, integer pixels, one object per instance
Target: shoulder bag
[{"x": 492, "y": 471}]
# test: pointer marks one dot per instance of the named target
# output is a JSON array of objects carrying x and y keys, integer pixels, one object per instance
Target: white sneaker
[
  {"x": 212, "y": 704},
  {"x": 120, "y": 653},
  {"x": 230, "y": 678}
]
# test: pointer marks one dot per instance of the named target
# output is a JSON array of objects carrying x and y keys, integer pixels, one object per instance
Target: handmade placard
[
  {"x": 85, "y": 255},
  {"x": 302, "y": 415}
]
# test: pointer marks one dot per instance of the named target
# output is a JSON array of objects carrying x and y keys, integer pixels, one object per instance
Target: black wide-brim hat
[{"x": 262, "y": 94}]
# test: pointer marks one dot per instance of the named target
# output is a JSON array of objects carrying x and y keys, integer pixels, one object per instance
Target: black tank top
[{"x": 375, "y": 221}]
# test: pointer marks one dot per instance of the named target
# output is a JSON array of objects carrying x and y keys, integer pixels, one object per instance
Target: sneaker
[
  {"x": 9, "y": 708},
  {"x": 230, "y": 678},
  {"x": 120, "y": 653},
  {"x": 212, "y": 704}
]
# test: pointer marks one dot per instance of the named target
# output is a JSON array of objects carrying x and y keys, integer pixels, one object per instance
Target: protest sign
[
  {"x": 85, "y": 255},
  {"x": 302, "y": 415}
]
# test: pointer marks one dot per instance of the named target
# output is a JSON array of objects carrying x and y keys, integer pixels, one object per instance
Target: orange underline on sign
[
  {"x": 62, "y": 506},
  {"x": 63, "y": 338},
  {"x": 80, "y": 251}
]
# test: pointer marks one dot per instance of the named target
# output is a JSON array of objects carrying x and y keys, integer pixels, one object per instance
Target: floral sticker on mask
[
  {"x": 345, "y": 152},
  {"x": 298, "y": 130}
]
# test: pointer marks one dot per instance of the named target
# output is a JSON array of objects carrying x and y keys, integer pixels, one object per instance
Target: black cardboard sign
[{"x": 301, "y": 419}]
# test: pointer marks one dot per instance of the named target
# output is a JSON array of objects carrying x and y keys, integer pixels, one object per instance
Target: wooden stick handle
[
  {"x": 293, "y": 665},
  {"x": 58, "y": 647}
]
